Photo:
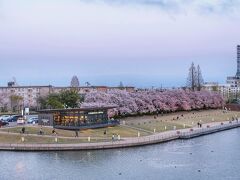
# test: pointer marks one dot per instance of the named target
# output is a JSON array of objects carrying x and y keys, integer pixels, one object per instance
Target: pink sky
[{"x": 142, "y": 44}]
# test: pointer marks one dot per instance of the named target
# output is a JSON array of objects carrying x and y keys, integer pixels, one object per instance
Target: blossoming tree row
[{"x": 152, "y": 101}]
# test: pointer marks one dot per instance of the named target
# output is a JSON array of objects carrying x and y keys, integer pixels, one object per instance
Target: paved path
[
  {"x": 126, "y": 142},
  {"x": 136, "y": 128}
]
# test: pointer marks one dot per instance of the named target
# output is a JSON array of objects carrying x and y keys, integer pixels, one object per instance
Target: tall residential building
[
  {"x": 234, "y": 81},
  {"x": 238, "y": 61},
  {"x": 232, "y": 86}
]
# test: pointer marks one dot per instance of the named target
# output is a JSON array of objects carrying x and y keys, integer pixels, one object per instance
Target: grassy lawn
[
  {"x": 148, "y": 123},
  {"x": 189, "y": 119},
  {"x": 96, "y": 135},
  {"x": 99, "y": 133},
  {"x": 123, "y": 131},
  {"x": 29, "y": 139},
  {"x": 159, "y": 126}
]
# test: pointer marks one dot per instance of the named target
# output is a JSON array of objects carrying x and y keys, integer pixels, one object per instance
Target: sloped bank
[{"x": 128, "y": 142}]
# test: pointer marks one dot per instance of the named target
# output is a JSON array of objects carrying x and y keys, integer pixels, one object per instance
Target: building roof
[
  {"x": 49, "y": 86},
  {"x": 62, "y": 87},
  {"x": 76, "y": 109},
  {"x": 122, "y": 87}
]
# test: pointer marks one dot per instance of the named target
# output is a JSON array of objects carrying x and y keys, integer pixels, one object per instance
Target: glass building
[{"x": 81, "y": 118}]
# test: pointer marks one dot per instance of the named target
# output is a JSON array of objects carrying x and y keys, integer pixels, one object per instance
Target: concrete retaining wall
[
  {"x": 210, "y": 130},
  {"x": 128, "y": 142}
]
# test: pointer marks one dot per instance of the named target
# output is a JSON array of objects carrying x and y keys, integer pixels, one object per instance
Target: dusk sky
[{"x": 142, "y": 43}]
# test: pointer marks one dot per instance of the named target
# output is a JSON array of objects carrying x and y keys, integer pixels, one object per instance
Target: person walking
[
  {"x": 23, "y": 130},
  {"x": 76, "y": 133},
  {"x": 41, "y": 131}
]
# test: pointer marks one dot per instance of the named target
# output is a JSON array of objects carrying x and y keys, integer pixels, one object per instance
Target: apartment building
[{"x": 27, "y": 96}]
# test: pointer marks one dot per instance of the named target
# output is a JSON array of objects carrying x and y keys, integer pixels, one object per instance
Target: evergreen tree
[
  {"x": 192, "y": 77},
  {"x": 200, "y": 80},
  {"x": 53, "y": 101},
  {"x": 70, "y": 98}
]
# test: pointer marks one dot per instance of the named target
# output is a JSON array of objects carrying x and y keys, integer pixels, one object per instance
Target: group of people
[
  {"x": 177, "y": 118},
  {"x": 233, "y": 119},
  {"x": 41, "y": 132},
  {"x": 115, "y": 137},
  {"x": 199, "y": 125}
]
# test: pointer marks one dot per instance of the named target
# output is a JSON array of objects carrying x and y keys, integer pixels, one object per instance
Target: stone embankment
[{"x": 126, "y": 142}]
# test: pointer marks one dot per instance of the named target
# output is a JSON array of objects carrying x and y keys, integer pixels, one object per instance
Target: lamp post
[{"x": 138, "y": 134}]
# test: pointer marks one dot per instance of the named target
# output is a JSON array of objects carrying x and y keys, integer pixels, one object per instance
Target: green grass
[
  {"x": 189, "y": 119},
  {"x": 99, "y": 133},
  {"x": 146, "y": 123},
  {"x": 159, "y": 126},
  {"x": 30, "y": 139}
]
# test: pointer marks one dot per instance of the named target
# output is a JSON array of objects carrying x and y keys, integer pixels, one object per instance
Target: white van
[{"x": 20, "y": 121}]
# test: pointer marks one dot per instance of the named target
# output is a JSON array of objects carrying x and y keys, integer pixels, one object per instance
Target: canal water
[{"x": 213, "y": 157}]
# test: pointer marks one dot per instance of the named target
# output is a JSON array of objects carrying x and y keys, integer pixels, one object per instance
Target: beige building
[
  {"x": 13, "y": 96},
  {"x": 22, "y": 96}
]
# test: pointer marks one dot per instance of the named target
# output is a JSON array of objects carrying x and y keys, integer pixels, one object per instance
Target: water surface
[{"x": 214, "y": 157}]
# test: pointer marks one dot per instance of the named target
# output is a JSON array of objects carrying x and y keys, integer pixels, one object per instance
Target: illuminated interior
[{"x": 79, "y": 118}]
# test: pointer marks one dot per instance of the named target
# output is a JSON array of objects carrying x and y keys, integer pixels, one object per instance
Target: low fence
[
  {"x": 127, "y": 142},
  {"x": 208, "y": 130}
]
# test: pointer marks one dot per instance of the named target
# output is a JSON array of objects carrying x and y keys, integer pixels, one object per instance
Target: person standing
[
  {"x": 41, "y": 131},
  {"x": 76, "y": 133},
  {"x": 23, "y": 130}
]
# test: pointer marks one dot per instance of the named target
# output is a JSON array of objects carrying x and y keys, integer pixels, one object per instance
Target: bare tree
[
  {"x": 74, "y": 81},
  {"x": 192, "y": 77},
  {"x": 200, "y": 80},
  {"x": 3, "y": 102},
  {"x": 16, "y": 102}
]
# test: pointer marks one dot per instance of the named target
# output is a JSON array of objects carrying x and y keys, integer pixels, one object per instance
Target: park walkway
[{"x": 126, "y": 142}]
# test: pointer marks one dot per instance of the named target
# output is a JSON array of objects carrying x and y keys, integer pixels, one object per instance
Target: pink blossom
[{"x": 153, "y": 101}]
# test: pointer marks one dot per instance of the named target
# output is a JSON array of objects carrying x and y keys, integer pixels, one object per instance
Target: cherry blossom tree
[{"x": 153, "y": 101}]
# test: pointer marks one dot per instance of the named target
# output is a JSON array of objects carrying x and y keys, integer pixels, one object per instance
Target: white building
[
  {"x": 232, "y": 86},
  {"x": 227, "y": 90}
]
